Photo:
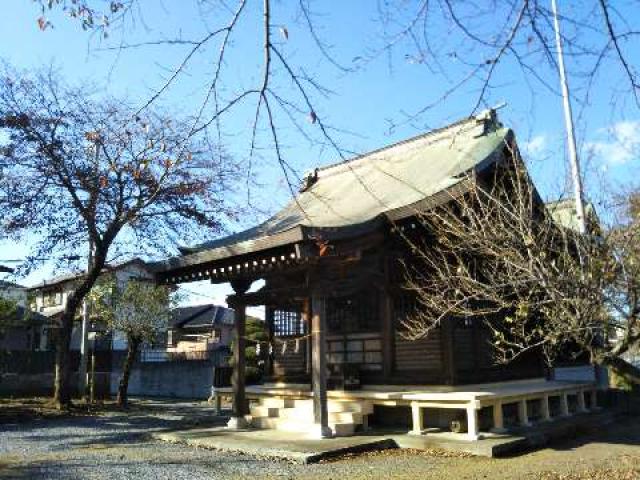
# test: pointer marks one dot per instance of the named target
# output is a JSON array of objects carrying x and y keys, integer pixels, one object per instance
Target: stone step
[
  {"x": 285, "y": 425},
  {"x": 297, "y": 414},
  {"x": 337, "y": 406},
  {"x": 265, "y": 422},
  {"x": 273, "y": 402},
  {"x": 261, "y": 411},
  {"x": 346, "y": 417},
  {"x": 342, "y": 429},
  {"x": 306, "y": 416}
]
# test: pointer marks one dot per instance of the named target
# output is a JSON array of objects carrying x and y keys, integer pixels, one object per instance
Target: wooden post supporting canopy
[
  {"x": 239, "y": 404},
  {"x": 319, "y": 367}
]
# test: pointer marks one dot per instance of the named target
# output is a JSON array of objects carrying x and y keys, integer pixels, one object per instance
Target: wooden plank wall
[
  {"x": 465, "y": 349},
  {"x": 423, "y": 354}
]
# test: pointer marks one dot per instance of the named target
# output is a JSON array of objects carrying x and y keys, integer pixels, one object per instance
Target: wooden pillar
[
  {"x": 239, "y": 402},
  {"x": 268, "y": 357},
  {"x": 306, "y": 317},
  {"x": 498, "y": 418},
  {"x": 319, "y": 367},
  {"x": 417, "y": 419},
  {"x": 523, "y": 414},
  {"x": 594, "y": 399},
  {"x": 545, "y": 412},
  {"x": 564, "y": 404},
  {"x": 473, "y": 432}
]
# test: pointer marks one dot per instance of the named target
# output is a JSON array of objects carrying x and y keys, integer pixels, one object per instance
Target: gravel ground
[{"x": 117, "y": 446}]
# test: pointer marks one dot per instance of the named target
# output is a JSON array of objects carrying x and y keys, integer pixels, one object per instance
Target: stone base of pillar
[
  {"x": 319, "y": 432},
  {"x": 237, "y": 423}
]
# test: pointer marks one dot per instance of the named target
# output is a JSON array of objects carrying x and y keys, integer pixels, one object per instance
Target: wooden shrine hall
[{"x": 335, "y": 303}]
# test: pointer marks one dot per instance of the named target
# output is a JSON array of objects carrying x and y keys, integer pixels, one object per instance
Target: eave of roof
[{"x": 68, "y": 277}]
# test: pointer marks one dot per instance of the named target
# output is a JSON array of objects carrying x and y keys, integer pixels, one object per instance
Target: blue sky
[{"x": 364, "y": 105}]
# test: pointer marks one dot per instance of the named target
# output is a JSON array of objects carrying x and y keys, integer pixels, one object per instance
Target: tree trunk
[
  {"x": 132, "y": 350},
  {"x": 623, "y": 369},
  {"x": 62, "y": 390}
]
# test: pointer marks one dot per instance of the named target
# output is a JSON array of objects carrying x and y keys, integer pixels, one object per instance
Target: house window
[{"x": 52, "y": 297}]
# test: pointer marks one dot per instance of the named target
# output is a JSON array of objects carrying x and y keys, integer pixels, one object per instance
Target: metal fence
[{"x": 219, "y": 357}]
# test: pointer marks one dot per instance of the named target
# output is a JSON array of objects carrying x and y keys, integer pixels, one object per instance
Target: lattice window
[
  {"x": 288, "y": 323},
  {"x": 365, "y": 351},
  {"x": 357, "y": 313}
]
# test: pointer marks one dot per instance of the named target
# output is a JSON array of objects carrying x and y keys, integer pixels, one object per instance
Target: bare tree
[
  {"x": 80, "y": 169},
  {"x": 499, "y": 255},
  {"x": 476, "y": 47},
  {"x": 470, "y": 49},
  {"x": 280, "y": 92}
]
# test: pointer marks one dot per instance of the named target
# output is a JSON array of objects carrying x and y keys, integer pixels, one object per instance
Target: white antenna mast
[{"x": 568, "y": 119}]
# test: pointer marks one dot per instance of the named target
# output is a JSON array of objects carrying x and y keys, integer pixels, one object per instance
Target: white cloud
[
  {"x": 621, "y": 145},
  {"x": 536, "y": 146}
]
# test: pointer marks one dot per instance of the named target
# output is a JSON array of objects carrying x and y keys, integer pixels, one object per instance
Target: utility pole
[
  {"x": 568, "y": 119},
  {"x": 84, "y": 341}
]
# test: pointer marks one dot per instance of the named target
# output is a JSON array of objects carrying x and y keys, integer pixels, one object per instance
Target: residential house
[
  {"x": 50, "y": 296},
  {"x": 200, "y": 329}
]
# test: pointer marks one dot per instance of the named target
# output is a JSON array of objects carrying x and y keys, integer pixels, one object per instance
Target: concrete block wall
[{"x": 175, "y": 379}]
